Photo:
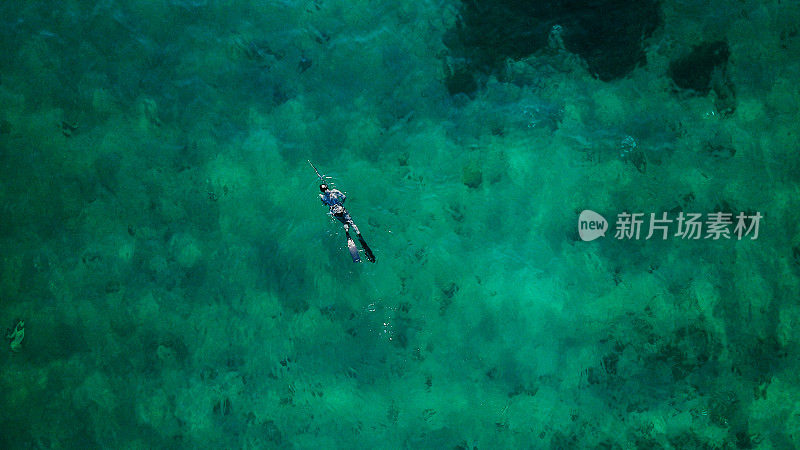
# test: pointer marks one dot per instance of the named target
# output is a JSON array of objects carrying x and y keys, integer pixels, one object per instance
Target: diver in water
[{"x": 334, "y": 199}]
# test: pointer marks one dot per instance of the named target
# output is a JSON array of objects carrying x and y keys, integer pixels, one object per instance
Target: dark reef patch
[
  {"x": 607, "y": 34},
  {"x": 695, "y": 70},
  {"x": 703, "y": 70}
]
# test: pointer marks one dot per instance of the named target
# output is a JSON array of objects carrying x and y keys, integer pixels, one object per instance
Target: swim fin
[
  {"x": 367, "y": 250},
  {"x": 351, "y": 245}
]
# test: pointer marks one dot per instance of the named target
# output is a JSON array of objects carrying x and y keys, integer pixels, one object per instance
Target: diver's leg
[
  {"x": 355, "y": 228},
  {"x": 347, "y": 220}
]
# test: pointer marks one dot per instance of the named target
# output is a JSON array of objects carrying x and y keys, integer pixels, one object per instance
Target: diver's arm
[{"x": 340, "y": 196}]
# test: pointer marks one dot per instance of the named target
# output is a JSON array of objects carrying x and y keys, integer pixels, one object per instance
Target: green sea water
[{"x": 180, "y": 285}]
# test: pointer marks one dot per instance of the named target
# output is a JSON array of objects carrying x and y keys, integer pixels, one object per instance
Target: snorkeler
[{"x": 334, "y": 200}]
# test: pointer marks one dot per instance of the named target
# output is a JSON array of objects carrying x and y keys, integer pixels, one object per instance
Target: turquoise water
[{"x": 181, "y": 286}]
